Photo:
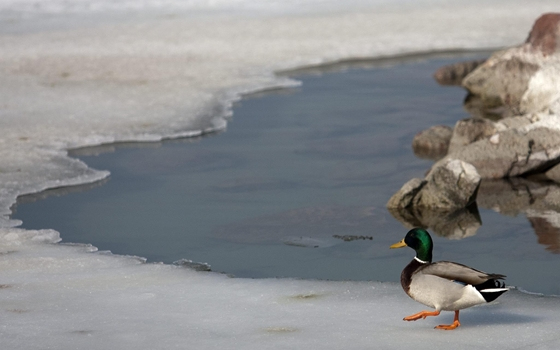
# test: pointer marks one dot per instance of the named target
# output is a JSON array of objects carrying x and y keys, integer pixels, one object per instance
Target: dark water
[{"x": 296, "y": 172}]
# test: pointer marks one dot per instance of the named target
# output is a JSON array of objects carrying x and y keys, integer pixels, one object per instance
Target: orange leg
[
  {"x": 421, "y": 314},
  {"x": 452, "y": 326}
]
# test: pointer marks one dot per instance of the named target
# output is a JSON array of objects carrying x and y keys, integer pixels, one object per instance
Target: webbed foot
[
  {"x": 449, "y": 327},
  {"x": 421, "y": 314}
]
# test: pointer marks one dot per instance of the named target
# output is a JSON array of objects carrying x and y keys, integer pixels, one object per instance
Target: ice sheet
[
  {"x": 82, "y": 72},
  {"x": 78, "y": 73},
  {"x": 71, "y": 297}
]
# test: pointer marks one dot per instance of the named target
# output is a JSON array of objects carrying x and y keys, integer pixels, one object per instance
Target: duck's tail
[{"x": 492, "y": 289}]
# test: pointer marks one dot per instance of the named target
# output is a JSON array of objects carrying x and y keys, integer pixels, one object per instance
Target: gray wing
[{"x": 458, "y": 272}]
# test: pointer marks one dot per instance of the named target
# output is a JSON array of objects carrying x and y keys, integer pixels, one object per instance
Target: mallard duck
[{"x": 444, "y": 285}]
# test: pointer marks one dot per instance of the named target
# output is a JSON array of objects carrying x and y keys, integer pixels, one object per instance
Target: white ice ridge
[
  {"x": 70, "y": 297},
  {"x": 84, "y": 72}
]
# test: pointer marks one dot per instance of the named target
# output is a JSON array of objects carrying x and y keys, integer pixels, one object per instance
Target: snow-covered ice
[
  {"x": 85, "y": 72},
  {"x": 82, "y": 72},
  {"x": 71, "y": 297}
]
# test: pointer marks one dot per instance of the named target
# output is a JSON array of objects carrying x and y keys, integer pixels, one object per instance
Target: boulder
[
  {"x": 470, "y": 130},
  {"x": 523, "y": 79},
  {"x": 451, "y": 184},
  {"x": 516, "y": 122},
  {"x": 443, "y": 201},
  {"x": 432, "y": 143},
  {"x": 545, "y": 34},
  {"x": 515, "y": 152},
  {"x": 454, "y": 74},
  {"x": 501, "y": 81},
  {"x": 520, "y": 89},
  {"x": 404, "y": 198}
]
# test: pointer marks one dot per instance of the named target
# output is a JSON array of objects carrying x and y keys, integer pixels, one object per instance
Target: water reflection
[
  {"x": 456, "y": 224},
  {"x": 535, "y": 197},
  {"x": 539, "y": 201}
]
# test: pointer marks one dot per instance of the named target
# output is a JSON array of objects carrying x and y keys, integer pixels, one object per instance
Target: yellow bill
[{"x": 398, "y": 245}]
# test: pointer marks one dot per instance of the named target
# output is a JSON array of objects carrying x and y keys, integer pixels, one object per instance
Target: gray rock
[
  {"x": 469, "y": 130},
  {"x": 522, "y": 79},
  {"x": 520, "y": 85},
  {"x": 404, "y": 197},
  {"x": 514, "y": 122},
  {"x": 451, "y": 184},
  {"x": 455, "y": 73},
  {"x": 513, "y": 152},
  {"x": 501, "y": 81},
  {"x": 432, "y": 143}
]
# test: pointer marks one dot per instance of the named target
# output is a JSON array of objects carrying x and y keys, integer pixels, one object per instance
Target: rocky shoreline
[{"x": 514, "y": 133}]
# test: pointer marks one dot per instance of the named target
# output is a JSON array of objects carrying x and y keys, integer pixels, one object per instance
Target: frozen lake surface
[
  {"x": 89, "y": 72},
  {"x": 295, "y": 172},
  {"x": 62, "y": 297}
]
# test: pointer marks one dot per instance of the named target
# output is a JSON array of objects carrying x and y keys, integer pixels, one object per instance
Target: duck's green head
[{"x": 419, "y": 240}]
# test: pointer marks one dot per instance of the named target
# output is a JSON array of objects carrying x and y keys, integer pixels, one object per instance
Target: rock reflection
[
  {"x": 547, "y": 233},
  {"x": 538, "y": 200},
  {"x": 516, "y": 196},
  {"x": 457, "y": 224}
]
